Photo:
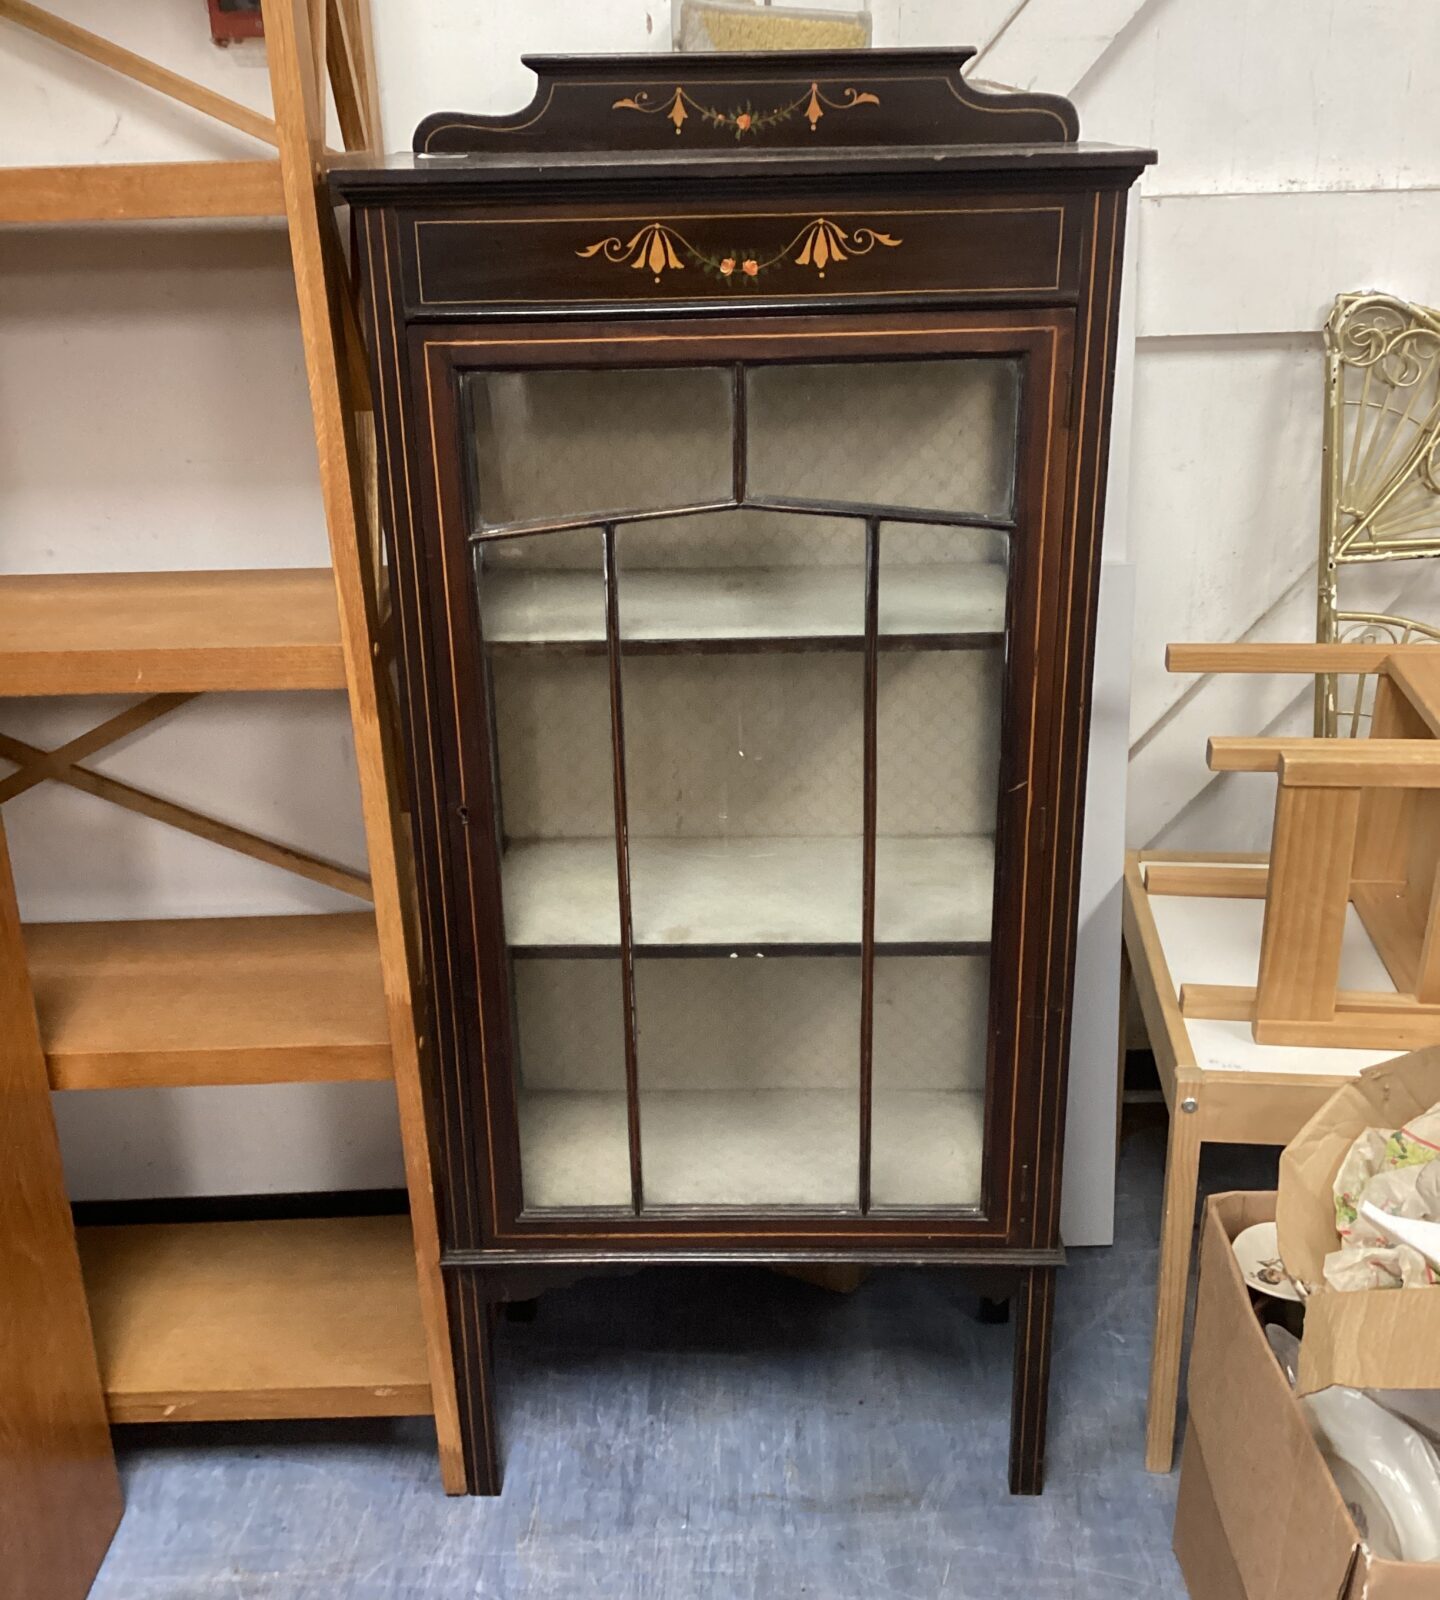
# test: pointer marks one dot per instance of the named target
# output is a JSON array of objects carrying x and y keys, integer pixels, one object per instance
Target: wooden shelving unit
[{"x": 309, "y": 1318}]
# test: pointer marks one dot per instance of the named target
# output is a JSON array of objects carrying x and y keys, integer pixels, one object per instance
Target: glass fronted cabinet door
[{"x": 751, "y": 713}]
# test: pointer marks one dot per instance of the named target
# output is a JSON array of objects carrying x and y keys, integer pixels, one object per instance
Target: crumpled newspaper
[{"x": 1399, "y": 1172}]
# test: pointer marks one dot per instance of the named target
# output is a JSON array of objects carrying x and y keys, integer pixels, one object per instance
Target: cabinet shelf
[
  {"x": 790, "y": 1147},
  {"x": 959, "y": 605},
  {"x": 169, "y": 632},
  {"x": 215, "y": 1001},
  {"x": 776, "y": 896},
  {"x": 213, "y": 1321}
]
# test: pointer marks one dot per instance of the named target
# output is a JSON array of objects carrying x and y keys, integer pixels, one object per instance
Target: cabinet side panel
[{"x": 425, "y": 688}]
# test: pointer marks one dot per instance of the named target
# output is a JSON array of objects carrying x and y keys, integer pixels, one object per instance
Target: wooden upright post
[{"x": 322, "y": 292}]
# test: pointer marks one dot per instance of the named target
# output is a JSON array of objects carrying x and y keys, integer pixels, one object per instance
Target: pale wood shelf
[
  {"x": 169, "y": 632},
  {"x": 144, "y": 191},
  {"x": 958, "y": 600},
  {"x": 233, "y": 1000},
  {"x": 217, "y": 1321}
]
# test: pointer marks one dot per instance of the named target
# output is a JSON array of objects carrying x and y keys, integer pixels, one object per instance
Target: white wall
[
  {"x": 155, "y": 416},
  {"x": 1300, "y": 157}
]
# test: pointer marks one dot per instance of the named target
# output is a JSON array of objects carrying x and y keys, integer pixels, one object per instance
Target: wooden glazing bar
[
  {"x": 806, "y": 507},
  {"x": 622, "y": 871},
  {"x": 522, "y": 530},
  {"x": 812, "y": 644},
  {"x": 740, "y": 434},
  {"x": 867, "y": 868},
  {"x": 140, "y": 69},
  {"x": 770, "y": 951},
  {"x": 854, "y": 511}
]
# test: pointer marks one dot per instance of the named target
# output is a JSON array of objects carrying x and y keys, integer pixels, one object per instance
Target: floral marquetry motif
[
  {"x": 743, "y": 120},
  {"x": 658, "y": 248}
]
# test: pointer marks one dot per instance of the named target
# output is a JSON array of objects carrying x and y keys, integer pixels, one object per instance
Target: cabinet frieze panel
[{"x": 496, "y": 260}]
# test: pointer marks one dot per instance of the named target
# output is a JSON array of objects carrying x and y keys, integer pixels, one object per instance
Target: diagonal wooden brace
[
  {"x": 53, "y": 763},
  {"x": 62, "y": 766}
]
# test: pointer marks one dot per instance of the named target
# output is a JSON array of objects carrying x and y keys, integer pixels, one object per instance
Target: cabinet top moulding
[
  {"x": 826, "y": 117},
  {"x": 169, "y": 632}
]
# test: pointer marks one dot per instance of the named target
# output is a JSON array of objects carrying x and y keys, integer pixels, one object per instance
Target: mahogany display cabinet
[{"x": 743, "y": 428}]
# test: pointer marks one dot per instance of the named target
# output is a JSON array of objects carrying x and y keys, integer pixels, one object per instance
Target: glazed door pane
[
  {"x": 936, "y": 782},
  {"x": 556, "y": 823},
  {"x": 744, "y": 770},
  {"x": 747, "y": 769},
  {"x": 579, "y": 445},
  {"x": 935, "y": 435}
]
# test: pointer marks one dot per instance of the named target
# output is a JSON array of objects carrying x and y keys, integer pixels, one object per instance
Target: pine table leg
[{"x": 1177, "y": 1232}]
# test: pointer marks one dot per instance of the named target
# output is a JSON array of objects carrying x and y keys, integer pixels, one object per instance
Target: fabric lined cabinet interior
[{"x": 718, "y": 660}]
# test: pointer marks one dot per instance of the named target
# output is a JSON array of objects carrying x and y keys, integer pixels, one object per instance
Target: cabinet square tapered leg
[{"x": 743, "y": 479}]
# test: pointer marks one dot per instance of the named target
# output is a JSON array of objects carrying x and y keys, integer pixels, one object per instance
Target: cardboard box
[
  {"x": 1366, "y": 1338},
  {"x": 1259, "y": 1516}
]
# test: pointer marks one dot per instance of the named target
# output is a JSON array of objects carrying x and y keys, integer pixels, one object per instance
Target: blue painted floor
[{"x": 683, "y": 1434}]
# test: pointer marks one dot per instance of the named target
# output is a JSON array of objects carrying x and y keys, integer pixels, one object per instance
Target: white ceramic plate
[
  {"x": 1258, "y": 1252},
  {"x": 1387, "y": 1473}
]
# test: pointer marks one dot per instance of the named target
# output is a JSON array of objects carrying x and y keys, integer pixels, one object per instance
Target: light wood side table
[{"x": 1220, "y": 1086}]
